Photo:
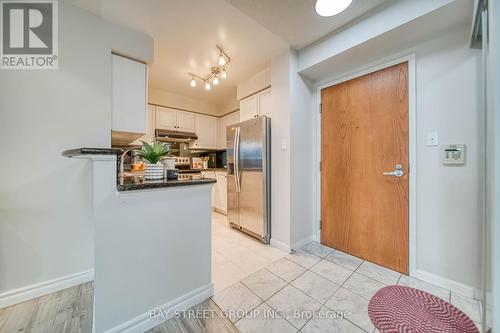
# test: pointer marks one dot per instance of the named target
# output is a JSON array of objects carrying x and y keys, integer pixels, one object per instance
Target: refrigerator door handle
[{"x": 236, "y": 150}]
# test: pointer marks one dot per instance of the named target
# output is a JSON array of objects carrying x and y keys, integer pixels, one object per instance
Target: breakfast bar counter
[
  {"x": 135, "y": 183},
  {"x": 152, "y": 244}
]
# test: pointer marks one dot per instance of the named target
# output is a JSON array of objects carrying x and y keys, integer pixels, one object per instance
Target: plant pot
[{"x": 154, "y": 171}]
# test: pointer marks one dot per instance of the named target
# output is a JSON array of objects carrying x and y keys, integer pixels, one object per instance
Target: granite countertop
[
  {"x": 214, "y": 169},
  {"x": 91, "y": 151},
  {"x": 134, "y": 183}
]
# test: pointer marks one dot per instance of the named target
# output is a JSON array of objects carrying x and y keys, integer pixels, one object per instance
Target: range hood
[{"x": 174, "y": 136}]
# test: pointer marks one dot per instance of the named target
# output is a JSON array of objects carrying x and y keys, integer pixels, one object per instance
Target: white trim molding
[
  {"x": 442, "y": 282},
  {"x": 412, "y": 126},
  {"x": 302, "y": 242},
  {"x": 23, "y": 294},
  {"x": 145, "y": 321},
  {"x": 280, "y": 245}
]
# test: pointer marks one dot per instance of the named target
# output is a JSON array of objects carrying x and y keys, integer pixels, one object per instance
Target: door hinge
[
  {"x": 320, "y": 108},
  {"x": 320, "y": 166},
  {"x": 320, "y": 224}
]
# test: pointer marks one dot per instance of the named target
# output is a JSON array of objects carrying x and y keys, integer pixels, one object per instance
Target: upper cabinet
[
  {"x": 206, "y": 130},
  {"x": 176, "y": 120},
  {"x": 129, "y": 101},
  {"x": 186, "y": 121},
  {"x": 256, "y": 105},
  {"x": 224, "y": 122},
  {"x": 265, "y": 107},
  {"x": 150, "y": 131},
  {"x": 249, "y": 108}
]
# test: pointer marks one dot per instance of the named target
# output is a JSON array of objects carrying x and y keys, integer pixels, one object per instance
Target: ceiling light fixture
[
  {"x": 331, "y": 7},
  {"x": 215, "y": 71},
  {"x": 222, "y": 60}
]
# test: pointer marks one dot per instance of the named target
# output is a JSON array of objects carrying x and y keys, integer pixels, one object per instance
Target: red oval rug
[{"x": 395, "y": 309}]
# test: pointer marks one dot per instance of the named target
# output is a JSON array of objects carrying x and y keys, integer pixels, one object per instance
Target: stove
[{"x": 183, "y": 164}]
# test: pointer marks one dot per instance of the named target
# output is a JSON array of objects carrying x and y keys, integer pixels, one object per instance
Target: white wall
[
  {"x": 173, "y": 100},
  {"x": 256, "y": 83},
  {"x": 301, "y": 157},
  {"x": 493, "y": 144},
  {"x": 280, "y": 162},
  {"x": 448, "y": 215},
  {"x": 46, "y": 229},
  {"x": 448, "y": 210},
  {"x": 291, "y": 183}
]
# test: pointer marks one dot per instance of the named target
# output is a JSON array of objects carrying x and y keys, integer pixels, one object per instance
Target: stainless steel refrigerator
[{"x": 249, "y": 177}]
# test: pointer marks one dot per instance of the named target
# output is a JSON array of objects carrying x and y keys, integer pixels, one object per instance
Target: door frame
[{"x": 412, "y": 149}]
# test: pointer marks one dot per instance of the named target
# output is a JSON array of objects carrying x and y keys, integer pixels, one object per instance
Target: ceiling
[
  {"x": 295, "y": 20},
  {"x": 186, "y": 33}
]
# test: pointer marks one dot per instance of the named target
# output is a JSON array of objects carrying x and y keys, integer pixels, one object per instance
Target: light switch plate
[
  {"x": 432, "y": 139},
  {"x": 284, "y": 145}
]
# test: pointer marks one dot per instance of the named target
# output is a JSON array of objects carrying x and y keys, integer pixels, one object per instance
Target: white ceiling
[
  {"x": 250, "y": 31},
  {"x": 295, "y": 20},
  {"x": 186, "y": 33}
]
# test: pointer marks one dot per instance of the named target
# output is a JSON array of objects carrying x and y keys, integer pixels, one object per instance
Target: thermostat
[{"x": 453, "y": 154}]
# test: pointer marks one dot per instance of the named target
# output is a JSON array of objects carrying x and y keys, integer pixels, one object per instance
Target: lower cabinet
[
  {"x": 219, "y": 190},
  {"x": 221, "y": 203}
]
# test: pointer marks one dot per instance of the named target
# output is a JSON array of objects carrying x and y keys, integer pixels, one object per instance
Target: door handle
[
  {"x": 236, "y": 152},
  {"x": 396, "y": 173}
]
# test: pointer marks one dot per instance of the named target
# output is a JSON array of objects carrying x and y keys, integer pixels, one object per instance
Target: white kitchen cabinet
[
  {"x": 248, "y": 108},
  {"x": 186, "y": 121},
  {"x": 215, "y": 193},
  {"x": 221, "y": 203},
  {"x": 223, "y": 123},
  {"x": 256, "y": 105},
  {"x": 206, "y": 130},
  {"x": 175, "y": 120},
  {"x": 265, "y": 106},
  {"x": 129, "y": 98},
  {"x": 150, "y": 131}
]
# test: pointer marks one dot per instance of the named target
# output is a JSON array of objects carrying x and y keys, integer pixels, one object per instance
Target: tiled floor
[
  {"x": 236, "y": 255},
  {"x": 315, "y": 280}
]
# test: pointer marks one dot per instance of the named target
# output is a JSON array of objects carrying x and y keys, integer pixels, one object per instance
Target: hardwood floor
[{"x": 70, "y": 311}]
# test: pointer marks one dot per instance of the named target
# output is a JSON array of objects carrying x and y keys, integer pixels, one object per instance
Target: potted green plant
[{"x": 152, "y": 154}]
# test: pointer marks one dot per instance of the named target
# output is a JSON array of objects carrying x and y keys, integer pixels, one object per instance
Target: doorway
[{"x": 365, "y": 167}]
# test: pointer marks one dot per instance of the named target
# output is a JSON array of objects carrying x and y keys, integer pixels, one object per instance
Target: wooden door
[{"x": 364, "y": 133}]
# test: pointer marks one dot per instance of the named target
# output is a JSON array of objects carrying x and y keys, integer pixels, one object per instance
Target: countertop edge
[
  {"x": 83, "y": 152},
  {"x": 173, "y": 183}
]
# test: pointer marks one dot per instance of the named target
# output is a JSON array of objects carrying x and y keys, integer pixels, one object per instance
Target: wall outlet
[
  {"x": 284, "y": 145},
  {"x": 432, "y": 139}
]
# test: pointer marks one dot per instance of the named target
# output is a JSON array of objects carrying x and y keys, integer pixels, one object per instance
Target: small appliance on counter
[
  {"x": 196, "y": 163},
  {"x": 185, "y": 172}
]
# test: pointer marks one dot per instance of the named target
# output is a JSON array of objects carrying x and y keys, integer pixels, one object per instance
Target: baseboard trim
[
  {"x": 439, "y": 281},
  {"x": 280, "y": 245},
  {"x": 23, "y": 294},
  {"x": 144, "y": 322},
  {"x": 302, "y": 242}
]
